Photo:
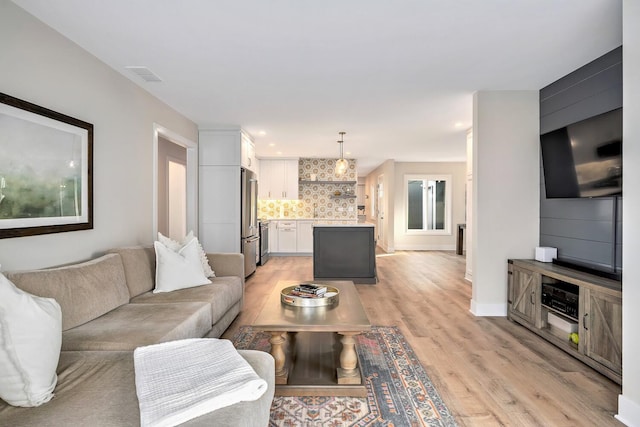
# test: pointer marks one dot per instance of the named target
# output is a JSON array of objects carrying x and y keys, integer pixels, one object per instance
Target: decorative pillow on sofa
[
  {"x": 178, "y": 270},
  {"x": 176, "y": 246},
  {"x": 30, "y": 341}
]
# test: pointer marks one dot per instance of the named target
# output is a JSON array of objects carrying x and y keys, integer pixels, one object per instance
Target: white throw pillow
[
  {"x": 178, "y": 270},
  {"x": 176, "y": 246},
  {"x": 30, "y": 341}
]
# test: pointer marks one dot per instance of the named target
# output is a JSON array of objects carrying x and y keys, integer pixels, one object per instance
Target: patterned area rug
[{"x": 399, "y": 392}]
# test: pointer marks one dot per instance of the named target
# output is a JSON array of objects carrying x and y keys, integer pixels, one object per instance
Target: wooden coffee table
[{"x": 314, "y": 347}]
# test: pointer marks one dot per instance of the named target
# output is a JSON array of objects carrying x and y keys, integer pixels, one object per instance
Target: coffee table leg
[
  {"x": 277, "y": 340},
  {"x": 348, "y": 372}
]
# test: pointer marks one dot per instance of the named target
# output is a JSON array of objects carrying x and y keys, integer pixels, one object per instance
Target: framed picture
[{"x": 46, "y": 162}]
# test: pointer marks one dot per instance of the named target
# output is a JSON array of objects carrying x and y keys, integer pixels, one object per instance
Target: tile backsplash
[
  {"x": 322, "y": 198},
  {"x": 324, "y": 169}
]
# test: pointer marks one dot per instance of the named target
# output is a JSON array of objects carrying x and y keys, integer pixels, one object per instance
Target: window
[{"x": 428, "y": 204}]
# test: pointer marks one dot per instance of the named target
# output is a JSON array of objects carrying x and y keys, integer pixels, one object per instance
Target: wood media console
[{"x": 596, "y": 315}]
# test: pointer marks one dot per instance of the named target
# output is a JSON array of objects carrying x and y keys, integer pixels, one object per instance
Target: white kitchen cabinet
[
  {"x": 265, "y": 180},
  {"x": 290, "y": 236},
  {"x": 287, "y": 236},
  {"x": 226, "y": 147},
  {"x": 248, "y": 154},
  {"x": 273, "y": 234},
  {"x": 278, "y": 179},
  {"x": 305, "y": 237},
  {"x": 219, "y": 226},
  {"x": 221, "y": 155},
  {"x": 290, "y": 179}
]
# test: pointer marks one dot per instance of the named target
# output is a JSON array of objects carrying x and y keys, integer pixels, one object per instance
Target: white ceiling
[{"x": 396, "y": 75}]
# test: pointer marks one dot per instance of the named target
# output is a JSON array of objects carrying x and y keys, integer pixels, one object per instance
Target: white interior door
[{"x": 177, "y": 199}]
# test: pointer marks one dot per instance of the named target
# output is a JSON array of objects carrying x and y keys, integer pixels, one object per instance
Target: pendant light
[{"x": 341, "y": 164}]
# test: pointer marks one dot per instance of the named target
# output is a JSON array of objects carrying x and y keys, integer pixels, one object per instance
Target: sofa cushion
[
  {"x": 139, "y": 268},
  {"x": 222, "y": 294},
  {"x": 227, "y": 264},
  {"x": 30, "y": 338},
  {"x": 94, "y": 388},
  {"x": 178, "y": 270},
  {"x": 84, "y": 291},
  {"x": 219, "y": 327},
  {"x": 98, "y": 388},
  {"x": 135, "y": 325},
  {"x": 176, "y": 246}
]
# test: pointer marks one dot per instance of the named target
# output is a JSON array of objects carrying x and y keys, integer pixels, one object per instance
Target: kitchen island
[{"x": 344, "y": 252}]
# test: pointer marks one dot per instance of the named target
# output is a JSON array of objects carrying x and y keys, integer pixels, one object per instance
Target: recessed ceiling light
[
  {"x": 278, "y": 152},
  {"x": 262, "y": 133},
  {"x": 348, "y": 153},
  {"x": 458, "y": 124},
  {"x": 272, "y": 145}
]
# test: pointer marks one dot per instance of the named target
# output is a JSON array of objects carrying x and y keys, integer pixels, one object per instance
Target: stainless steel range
[{"x": 264, "y": 242}]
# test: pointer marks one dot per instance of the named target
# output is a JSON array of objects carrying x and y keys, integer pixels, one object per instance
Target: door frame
[
  {"x": 192, "y": 176},
  {"x": 380, "y": 214}
]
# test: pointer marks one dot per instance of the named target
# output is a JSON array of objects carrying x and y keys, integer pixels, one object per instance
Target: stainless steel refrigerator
[{"x": 249, "y": 230}]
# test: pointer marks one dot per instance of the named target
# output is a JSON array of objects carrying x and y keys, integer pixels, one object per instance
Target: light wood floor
[{"x": 488, "y": 371}]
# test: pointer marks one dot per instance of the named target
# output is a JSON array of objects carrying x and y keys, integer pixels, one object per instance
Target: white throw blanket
[{"x": 180, "y": 380}]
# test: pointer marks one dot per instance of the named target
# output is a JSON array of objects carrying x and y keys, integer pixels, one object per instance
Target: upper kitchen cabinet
[
  {"x": 227, "y": 147},
  {"x": 248, "y": 154},
  {"x": 278, "y": 179}
]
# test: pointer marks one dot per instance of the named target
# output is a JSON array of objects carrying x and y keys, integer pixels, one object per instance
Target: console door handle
[
  {"x": 532, "y": 297},
  {"x": 584, "y": 321}
]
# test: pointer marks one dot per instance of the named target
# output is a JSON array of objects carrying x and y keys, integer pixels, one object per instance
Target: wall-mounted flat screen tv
[{"x": 584, "y": 159}]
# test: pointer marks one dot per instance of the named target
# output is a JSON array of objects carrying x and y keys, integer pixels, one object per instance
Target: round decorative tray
[{"x": 329, "y": 298}]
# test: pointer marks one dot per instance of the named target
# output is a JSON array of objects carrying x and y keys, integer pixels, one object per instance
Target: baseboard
[
  {"x": 628, "y": 411},
  {"x": 426, "y": 247},
  {"x": 387, "y": 249},
  {"x": 486, "y": 310},
  {"x": 273, "y": 254},
  {"x": 468, "y": 277}
]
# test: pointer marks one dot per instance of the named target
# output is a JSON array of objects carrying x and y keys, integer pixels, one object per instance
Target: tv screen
[{"x": 584, "y": 159}]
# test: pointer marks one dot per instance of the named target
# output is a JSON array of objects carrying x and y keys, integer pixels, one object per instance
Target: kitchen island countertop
[
  {"x": 329, "y": 224},
  {"x": 323, "y": 221}
]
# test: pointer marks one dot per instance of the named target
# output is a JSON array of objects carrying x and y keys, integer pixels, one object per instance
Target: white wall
[
  {"x": 387, "y": 171},
  {"x": 41, "y": 66},
  {"x": 506, "y": 187},
  {"x": 404, "y": 241},
  {"x": 468, "y": 273},
  {"x": 629, "y": 401}
]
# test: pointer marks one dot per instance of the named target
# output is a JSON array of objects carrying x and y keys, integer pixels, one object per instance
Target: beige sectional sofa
[{"x": 109, "y": 309}]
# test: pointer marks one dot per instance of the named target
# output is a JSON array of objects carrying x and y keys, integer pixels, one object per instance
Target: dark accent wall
[{"x": 585, "y": 231}]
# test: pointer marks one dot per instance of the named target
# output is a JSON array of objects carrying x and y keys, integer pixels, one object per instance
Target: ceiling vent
[{"x": 143, "y": 72}]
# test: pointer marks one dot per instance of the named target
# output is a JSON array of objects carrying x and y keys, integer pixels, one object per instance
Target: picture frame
[{"x": 46, "y": 170}]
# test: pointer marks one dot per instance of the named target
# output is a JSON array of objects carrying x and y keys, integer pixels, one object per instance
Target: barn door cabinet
[
  {"x": 602, "y": 327},
  {"x": 598, "y": 320},
  {"x": 524, "y": 296}
]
